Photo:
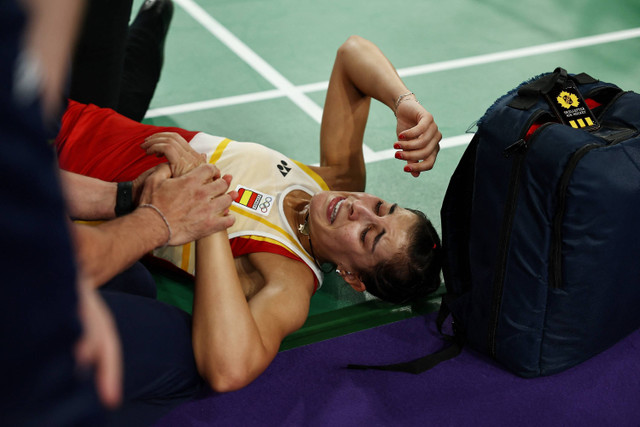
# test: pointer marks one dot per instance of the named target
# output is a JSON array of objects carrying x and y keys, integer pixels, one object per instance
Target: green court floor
[{"x": 257, "y": 71}]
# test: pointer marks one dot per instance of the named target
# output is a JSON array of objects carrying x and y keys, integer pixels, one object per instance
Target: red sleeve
[{"x": 101, "y": 143}]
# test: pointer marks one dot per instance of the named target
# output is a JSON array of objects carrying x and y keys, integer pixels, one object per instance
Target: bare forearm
[
  {"x": 370, "y": 71},
  {"x": 89, "y": 198},
  {"x": 105, "y": 250},
  {"x": 360, "y": 72},
  {"x": 227, "y": 343}
]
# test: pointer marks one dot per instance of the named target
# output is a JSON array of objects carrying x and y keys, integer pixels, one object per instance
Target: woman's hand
[
  {"x": 418, "y": 136},
  {"x": 182, "y": 158}
]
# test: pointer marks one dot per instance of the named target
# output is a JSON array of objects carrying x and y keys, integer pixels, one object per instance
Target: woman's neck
[{"x": 296, "y": 210}]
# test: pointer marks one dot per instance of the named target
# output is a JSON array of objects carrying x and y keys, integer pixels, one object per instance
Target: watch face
[{"x": 124, "y": 198}]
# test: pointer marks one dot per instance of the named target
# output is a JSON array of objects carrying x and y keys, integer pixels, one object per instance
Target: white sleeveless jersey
[{"x": 262, "y": 177}]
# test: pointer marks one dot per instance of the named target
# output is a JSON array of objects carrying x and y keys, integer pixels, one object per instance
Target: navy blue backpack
[{"x": 541, "y": 228}]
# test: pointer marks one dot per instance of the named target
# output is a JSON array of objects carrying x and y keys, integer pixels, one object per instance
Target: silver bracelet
[
  {"x": 401, "y": 99},
  {"x": 164, "y": 218}
]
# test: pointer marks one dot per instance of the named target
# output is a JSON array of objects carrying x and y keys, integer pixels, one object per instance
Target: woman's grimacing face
[{"x": 357, "y": 230}]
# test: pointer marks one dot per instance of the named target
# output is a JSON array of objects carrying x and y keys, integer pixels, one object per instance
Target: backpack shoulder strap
[
  {"x": 420, "y": 365},
  {"x": 427, "y": 362}
]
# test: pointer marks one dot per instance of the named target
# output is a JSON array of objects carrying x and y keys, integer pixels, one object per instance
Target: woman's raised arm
[{"x": 361, "y": 72}]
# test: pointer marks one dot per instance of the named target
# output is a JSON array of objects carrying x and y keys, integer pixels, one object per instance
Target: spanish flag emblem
[{"x": 253, "y": 200}]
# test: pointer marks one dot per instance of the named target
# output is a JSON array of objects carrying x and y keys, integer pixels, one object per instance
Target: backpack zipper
[
  {"x": 555, "y": 264},
  {"x": 555, "y": 256},
  {"x": 520, "y": 149}
]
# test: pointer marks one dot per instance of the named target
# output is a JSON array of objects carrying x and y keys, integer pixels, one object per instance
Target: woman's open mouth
[{"x": 333, "y": 208}]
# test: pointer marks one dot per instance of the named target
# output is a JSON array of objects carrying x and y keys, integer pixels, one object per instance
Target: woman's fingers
[
  {"x": 181, "y": 156},
  {"x": 420, "y": 152}
]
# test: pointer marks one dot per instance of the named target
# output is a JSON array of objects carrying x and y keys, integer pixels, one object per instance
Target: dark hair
[{"x": 412, "y": 274}]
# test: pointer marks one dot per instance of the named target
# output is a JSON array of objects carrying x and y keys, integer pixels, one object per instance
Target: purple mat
[{"x": 308, "y": 386}]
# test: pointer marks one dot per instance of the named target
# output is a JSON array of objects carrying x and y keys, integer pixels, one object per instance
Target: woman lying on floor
[{"x": 253, "y": 283}]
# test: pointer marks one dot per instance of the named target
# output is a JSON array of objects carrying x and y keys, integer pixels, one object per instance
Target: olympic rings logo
[{"x": 264, "y": 206}]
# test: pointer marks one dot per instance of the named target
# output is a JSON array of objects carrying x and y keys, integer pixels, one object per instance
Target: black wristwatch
[{"x": 124, "y": 198}]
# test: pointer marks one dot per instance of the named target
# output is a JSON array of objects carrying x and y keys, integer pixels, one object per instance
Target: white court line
[
  {"x": 453, "y": 141},
  {"x": 214, "y": 103},
  {"x": 404, "y": 72},
  {"x": 296, "y": 93},
  {"x": 521, "y": 53},
  {"x": 252, "y": 59},
  {"x": 257, "y": 63},
  {"x": 409, "y": 71}
]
